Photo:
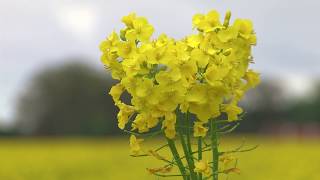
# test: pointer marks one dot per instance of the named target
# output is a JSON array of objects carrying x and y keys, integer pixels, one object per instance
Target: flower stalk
[
  {"x": 177, "y": 158},
  {"x": 214, "y": 149},
  {"x": 200, "y": 155},
  {"x": 186, "y": 144}
]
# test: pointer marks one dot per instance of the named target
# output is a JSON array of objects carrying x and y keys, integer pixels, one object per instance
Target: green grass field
[{"x": 108, "y": 159}]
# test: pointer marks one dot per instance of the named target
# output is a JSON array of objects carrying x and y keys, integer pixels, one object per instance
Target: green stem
[
  {"x": 214, "y": 147},
  {"x": 188, "y": 132},
  {"x": 186, "y": 146},
  {"x": 176, "y": 156},
  {"x": 189, "y": 125},
  {"x": 188, "y": 157},
  {"x": 200, "y": 154}
]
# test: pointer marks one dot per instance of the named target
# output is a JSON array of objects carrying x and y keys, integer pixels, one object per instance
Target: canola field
[{"x": 108, "y": 159}]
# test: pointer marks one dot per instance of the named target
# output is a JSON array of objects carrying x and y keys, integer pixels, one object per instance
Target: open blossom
[
  {"x": 228, "y": 164},
  {"x": 135, "y": 145},
  {"x": 199, "y": 130},
  {"x": 206, "y": 73},
  {"x": 202, "y": 167},
  {"x": 164, "y": 170}
]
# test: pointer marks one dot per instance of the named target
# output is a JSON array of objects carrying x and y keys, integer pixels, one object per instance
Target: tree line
[{"x": 72, "y": 99}]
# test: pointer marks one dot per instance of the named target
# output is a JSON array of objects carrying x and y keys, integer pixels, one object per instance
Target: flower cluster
[{"x": 206, "y": 73}]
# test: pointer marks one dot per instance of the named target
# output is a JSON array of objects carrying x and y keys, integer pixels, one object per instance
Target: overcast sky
[{"x": 38, "y": 33}]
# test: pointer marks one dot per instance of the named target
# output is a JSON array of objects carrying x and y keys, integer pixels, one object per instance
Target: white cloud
[
  {"x": 299, "y": 86},
  {"x": 78, "y": 20}
]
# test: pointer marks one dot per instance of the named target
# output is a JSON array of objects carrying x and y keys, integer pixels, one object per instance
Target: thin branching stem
[
  {"x": 188, "y": 122},
  {"x": 146, "y": 135},
  {"x": 168, "y": 175},
  {"x": 214, "y": 147},
  {"x": 240, "y": 151},
  {"x": 230, "y": 130},
  {"x": 163, "y": 146},
  {"x": 200, "y": 154},
  {"x": 176, "y": 156}
]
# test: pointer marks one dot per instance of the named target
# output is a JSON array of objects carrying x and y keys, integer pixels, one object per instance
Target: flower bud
[{"x": 227, "y": 19}]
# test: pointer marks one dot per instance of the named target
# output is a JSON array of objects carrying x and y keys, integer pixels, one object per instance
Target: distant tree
[
  {"x": 264, "y": 106},
  {"x": 307, "y": 110},
  {"x": 68, "y": 99},
  {"x": 268, "y": 106}
]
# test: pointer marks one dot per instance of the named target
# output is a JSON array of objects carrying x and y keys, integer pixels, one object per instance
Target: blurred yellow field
[{"x": 108, "y": 159}]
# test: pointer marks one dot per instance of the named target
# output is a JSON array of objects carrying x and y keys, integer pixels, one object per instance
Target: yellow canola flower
[
  {"x": 116, "y": 92},
  {"x": 117, "y": 71},
  {"x": 143, "y": 87},
  {"x": 228, "y": 164},
  {"x": 203, "y": 102},
  {"x": 215, "y": 74},
  {"x": 111, "y": 43},
  {"x": 135, "y": 143},
  {"x": 232, "y": 111},
  {"x": 226, "y": 160},
  {"x": 123, "y": 116},
  {"x": 128, "y": 20},
  {"x": 143, "y": 122},
  {"x": 200, "y": 57},
  {"x": 141, "y": 31},
  {"x": 208, "y": 22},
  {"x": 127, "y": 49},
  {"x": 194, "y": 40},
  {"x": 169, "y": 125},
  {"x": 202, "y": 167},
  {"x": 245, "y": 28},
  {"x": 206, "y": 73},
  {"x": 252, "y": 78},
  {"x": 198, "y": 94},
  {"x": 199, "y": 130},
  {"x": 188, "y": 70},
  {"x": 227, "y": 35},
  {"x": 165, "y": 169},
  {"x": 138, "y": 28}
]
